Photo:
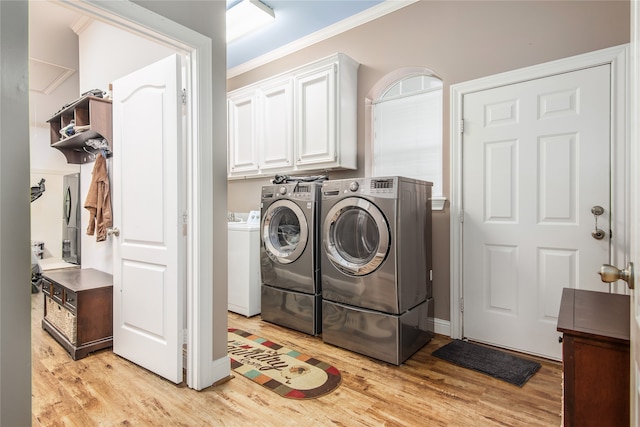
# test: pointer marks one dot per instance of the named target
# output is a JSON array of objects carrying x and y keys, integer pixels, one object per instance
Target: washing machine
[
  {"x": 376, "y": 266},
  {"x": 289, "y": 261}
]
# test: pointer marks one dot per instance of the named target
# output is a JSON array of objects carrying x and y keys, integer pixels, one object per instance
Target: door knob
[
  {"x": 113, "y": 231},
  {"x": 609, "y": 273}
]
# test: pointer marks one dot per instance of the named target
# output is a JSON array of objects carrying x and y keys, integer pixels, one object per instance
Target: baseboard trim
[{"x": 442, "y": 327}]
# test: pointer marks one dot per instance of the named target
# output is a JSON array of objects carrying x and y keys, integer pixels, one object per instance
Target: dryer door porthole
[
  {"x": 356, "y": 236},
  {"x": 284, "y": 231}
]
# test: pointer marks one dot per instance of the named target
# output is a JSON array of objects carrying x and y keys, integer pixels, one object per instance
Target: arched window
[{"x": 406, "y": 128}]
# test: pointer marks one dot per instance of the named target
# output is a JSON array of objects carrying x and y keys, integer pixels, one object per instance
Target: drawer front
[
  {"x": 46, "y": 287},
  {"x": 57, "y": 293},
  {"x": 70, "y": 300}
]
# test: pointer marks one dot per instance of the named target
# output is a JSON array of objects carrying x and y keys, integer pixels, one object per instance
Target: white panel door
[
  {"x": 147, "y": 273},
  {"x": 535, "y": 161}
]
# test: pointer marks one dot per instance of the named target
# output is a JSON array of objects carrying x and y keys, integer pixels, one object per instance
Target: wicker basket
[{"x": 62, "y": 319}]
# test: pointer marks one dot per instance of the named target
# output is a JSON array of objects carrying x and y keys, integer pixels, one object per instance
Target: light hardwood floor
[{"x": 106, "y": 390}]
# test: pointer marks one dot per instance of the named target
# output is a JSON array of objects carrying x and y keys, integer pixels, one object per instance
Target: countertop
[
  {"x": 80, "y": 279},
  {"x": 594, "y": 314}
]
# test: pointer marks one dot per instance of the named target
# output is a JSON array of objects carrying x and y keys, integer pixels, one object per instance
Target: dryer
[
  {"x": 376, "y": 266},
  {"x": 289, "y": 263}
]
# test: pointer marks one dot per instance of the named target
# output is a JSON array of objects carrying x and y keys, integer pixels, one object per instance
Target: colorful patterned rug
[{"x": 284, "y": 371}]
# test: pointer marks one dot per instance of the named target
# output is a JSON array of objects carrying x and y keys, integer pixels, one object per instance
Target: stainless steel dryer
[
  {"x": 289, "y": 264},
  {"x": 376, "y": 266}
]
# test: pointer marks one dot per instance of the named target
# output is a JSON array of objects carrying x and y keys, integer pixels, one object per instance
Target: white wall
[
  {"x": 102, "y": 60},
  {"x": 46, "y": 212},
  {"x": 47, "y": 162}
]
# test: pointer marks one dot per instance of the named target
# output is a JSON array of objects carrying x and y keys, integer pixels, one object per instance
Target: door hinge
[
  {"x": 431, "y": 275},
  {"x": 461, "y": 125},
  {"x": 461, "y": 304},
  {"x": 184, "y": 96},
  {"x": 461, "y": 215},
  {"x": 185, "y": 336}
]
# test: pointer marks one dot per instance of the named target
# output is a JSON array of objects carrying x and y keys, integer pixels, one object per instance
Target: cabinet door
[
  {"x": 316, "y": 117},
  {"x": 242, "y": 125},
  {"x": 276, "y": 126}
]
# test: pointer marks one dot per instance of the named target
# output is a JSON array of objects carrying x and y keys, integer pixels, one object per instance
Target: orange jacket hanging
[{"x": 98, "y": 201}]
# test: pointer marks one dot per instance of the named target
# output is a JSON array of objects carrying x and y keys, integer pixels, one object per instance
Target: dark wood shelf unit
[
  {"x": 78, "y": 309},
  {"x": 86, "y": 111},
  {"x": 595, "y": 358}
]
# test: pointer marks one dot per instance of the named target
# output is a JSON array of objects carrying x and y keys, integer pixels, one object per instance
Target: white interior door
[
  {"x": 148, "y": 274},
  {"x": 634, "y": 203},
  {"x": 535, "y": 161}
]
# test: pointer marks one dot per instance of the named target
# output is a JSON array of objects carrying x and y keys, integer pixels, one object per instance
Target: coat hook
[{"x": 91, "y": 155}]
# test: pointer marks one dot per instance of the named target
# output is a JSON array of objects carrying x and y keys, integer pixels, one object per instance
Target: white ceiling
[
  {"x": 53, "y": 63},
  {"x": 53, "y": 45},
  {"x": 295, "y": 19}
]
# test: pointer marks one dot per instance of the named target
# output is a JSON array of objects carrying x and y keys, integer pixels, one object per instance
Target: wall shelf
[{"x": 92, "y": 113}]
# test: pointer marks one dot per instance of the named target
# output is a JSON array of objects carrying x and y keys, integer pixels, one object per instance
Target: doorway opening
[{"x": 202, "y": 368}]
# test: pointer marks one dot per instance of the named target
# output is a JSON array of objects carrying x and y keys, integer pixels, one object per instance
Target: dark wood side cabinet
[
  {"x": 595, "y": 357},
  {"x": 78, "y": 309}
]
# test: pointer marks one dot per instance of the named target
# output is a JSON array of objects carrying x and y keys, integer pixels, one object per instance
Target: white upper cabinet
[
  {"x": 302, "y": 120},
  {"x": 241, "y": 133},
  {"x": 275, "y": 126},
  {"x": 316, "y": 116}
]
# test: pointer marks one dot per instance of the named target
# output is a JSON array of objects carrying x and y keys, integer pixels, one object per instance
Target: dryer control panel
[{"x": 385, "y": 187}]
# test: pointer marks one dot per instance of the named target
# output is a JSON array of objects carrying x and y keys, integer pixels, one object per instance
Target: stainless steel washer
[
  {"x": 376, "y": 266},
  {"x": 289, "y": 264}
]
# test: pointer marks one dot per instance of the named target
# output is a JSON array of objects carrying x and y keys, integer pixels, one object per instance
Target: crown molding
[{"x": 347, "y": 24}]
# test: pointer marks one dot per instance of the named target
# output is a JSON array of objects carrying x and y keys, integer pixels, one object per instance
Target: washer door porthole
[
  {"x": 284, "y": 231},
  {"x": 356, "y": 236}
]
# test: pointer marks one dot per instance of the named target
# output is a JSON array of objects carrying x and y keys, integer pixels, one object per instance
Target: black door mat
[{"x": 496, "y": 363}]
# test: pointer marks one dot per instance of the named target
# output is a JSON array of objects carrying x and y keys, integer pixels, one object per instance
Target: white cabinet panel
[
  {"x": 298, "y": 121},
  {"x": 316, "y": 116},
  {"x": 241, "y": 128},
  {"x": 275, "y": 129}
]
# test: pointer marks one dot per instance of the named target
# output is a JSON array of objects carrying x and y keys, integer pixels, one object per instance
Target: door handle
[
  {"x": 609, "y": 273},
  {"x": 113, "y": 231},
  {"x": 597, "y": 233}
]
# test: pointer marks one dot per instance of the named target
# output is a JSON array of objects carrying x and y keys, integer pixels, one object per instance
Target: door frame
[
  {"x": 617, "y": 57},
  {"x": 634, "y": 201},
  {"x": 202, "y": 369}
]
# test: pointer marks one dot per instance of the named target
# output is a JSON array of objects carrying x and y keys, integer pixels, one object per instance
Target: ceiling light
[{"x": 247, "y": 16}]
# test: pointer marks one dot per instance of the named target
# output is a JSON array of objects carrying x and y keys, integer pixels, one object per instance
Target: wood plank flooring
[{"x": 106, "y": 390}]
